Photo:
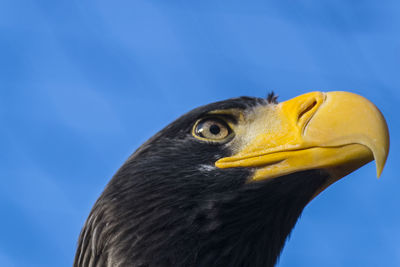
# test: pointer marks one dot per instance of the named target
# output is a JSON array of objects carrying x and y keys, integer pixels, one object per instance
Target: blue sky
[{"x": 84, "y": 83}]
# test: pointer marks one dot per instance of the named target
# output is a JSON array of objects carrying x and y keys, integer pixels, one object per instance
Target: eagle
[{"x": 224, "y": 184}]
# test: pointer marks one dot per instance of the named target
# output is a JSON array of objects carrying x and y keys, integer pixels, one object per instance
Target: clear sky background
[{"x": 84, "y": 83}]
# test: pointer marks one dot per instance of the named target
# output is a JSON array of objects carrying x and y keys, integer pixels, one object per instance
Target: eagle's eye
[{"x": 212, "y": 129}]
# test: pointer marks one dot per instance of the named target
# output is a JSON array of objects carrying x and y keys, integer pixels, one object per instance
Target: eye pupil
[{"x": 214, "y": 129}]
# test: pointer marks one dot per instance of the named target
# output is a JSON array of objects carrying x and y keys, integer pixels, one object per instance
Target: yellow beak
[{"x": 337, "y": 131}]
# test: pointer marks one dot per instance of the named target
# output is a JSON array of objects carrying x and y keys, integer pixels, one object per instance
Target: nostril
[{"x": 309, "y": 107}]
